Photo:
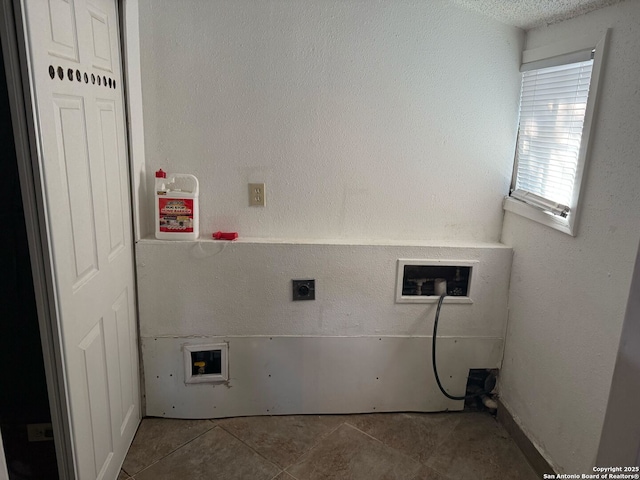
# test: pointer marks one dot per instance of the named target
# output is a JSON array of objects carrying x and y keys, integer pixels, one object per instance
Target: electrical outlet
[{"x": 257, "y": 195}]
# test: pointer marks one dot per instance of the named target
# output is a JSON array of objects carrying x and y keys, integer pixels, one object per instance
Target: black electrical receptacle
[
  {"x": 303, "y": 289},
  {"x": 212, "y": 360}
]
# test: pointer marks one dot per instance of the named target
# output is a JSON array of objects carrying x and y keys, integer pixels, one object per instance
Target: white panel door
[{"x": 74, "y": 69}]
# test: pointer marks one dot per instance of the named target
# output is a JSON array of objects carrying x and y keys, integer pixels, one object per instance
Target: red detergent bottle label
[{"x": 176, "y": 214}]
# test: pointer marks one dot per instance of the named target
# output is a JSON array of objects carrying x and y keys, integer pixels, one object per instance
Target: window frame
[{"x": 547, "y": 53}]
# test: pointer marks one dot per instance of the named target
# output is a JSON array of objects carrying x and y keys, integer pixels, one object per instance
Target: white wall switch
[{"x": 257, "y": 195}]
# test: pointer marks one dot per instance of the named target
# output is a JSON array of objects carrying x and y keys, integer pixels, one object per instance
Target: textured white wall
[
  {"x": 213, "y": 288},
  {"x": 620, "y": 442},
  {"x": 568, "y": 295},
  {"x": 132, "y": 72},
  {"x": 365, "y": 119}
]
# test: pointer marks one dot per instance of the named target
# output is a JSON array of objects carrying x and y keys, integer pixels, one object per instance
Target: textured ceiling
[{"x": 528, "y": 14}]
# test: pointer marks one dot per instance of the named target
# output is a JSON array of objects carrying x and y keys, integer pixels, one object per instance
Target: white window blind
[{"x": 552, "y": 111}]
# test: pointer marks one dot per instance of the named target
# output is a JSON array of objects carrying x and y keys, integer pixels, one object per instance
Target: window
[{"x": 557, "y": 102}]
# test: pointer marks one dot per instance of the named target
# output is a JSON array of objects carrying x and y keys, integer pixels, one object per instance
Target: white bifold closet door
[{"x": 76, "y": 81}]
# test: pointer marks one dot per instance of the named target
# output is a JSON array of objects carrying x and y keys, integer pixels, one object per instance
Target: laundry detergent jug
[{"x": 176, "y": 210}]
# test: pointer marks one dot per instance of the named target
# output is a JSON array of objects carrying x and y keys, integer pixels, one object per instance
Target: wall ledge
[{"x": 150, "y": 240}]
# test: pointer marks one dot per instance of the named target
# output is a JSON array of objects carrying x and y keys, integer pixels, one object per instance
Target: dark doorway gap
[{"x": 24, "y": 399}]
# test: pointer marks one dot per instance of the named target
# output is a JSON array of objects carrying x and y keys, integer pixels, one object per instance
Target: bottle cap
[{"x": 161, "y": 174}]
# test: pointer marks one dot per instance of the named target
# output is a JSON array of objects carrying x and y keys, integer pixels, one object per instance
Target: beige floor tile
[
  {"x": 414, "y": 434},
  {"x": 212, "y": 456},
  {"x": 158, "y": 437},
  {"x": 282, "y": 439},
  {"x": 348, "y": 453},
  {"x": 480, "y": 449},
  {"x": 123, "y": 476}
]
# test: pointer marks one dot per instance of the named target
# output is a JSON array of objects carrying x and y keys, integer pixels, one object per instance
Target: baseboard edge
[{"x": 539, "y": 464}]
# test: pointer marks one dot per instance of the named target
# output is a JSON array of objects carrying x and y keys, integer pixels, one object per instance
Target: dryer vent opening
[{"x": 481, "y": 383}]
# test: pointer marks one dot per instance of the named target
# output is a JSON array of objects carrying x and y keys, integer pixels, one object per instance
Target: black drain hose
[{"x": 433, "y": 359}]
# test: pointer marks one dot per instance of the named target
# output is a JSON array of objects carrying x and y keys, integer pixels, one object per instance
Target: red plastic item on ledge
[{"x": 225, "y": 235}]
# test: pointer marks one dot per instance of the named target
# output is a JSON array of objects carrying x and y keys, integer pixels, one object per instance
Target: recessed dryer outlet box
[
  {"x": 303, "y": 290},
  {"x": 206, "y": 363},
  {"x": 419, "y": 281}
]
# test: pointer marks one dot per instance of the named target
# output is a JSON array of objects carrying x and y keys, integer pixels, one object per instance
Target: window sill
[{"x": 561, "y": 224}]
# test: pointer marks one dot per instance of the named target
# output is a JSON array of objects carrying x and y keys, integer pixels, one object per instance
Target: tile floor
[{"x": 412, "y": 446}]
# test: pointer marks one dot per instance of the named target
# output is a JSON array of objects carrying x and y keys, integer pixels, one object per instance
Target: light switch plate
[{"x": 257, "y": 195}]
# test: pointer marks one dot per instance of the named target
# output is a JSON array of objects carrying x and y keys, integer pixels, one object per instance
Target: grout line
[
  {"x": 284, "y": 471},
  {"x": 446, "y": 476},
  {"x": 372, "y": 437},
  {"x": 414, "y": 458},
  {"x": 173, "y": 451},
  {"x": 314, "y": 445},
  {"x": 375, "y": 438},
  {"x": 344, "y": 421},
  {"x": 439, "y": 445},
  {"x": 253, "y": 449},
  {"x": 442, "y": 442}
]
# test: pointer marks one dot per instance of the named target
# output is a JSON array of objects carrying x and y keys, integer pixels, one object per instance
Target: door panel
[
  {"x": 101, "y": 34},
  {"x": 122, "y": 375},
  {"x": 75, "y": 175},
  {"x": 95, "y": 369},
  {"x": 63, "y": 41},
  {"x": 74, "y": 60},
  {"x": 112, "y": 183}
]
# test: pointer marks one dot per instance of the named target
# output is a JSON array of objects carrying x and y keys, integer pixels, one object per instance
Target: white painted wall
[
  {"x": 189, "y": 292},
  {"x": 366, "y": 120},
  {"x": 381, "y": 129},
  {"x": 620, "y": 441},
  {"x": 244, "y": 288},
  {"x": 568, "y": 295},
  {"x": 284, "y": 375},
  {"x": 135, "y": 117}
]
